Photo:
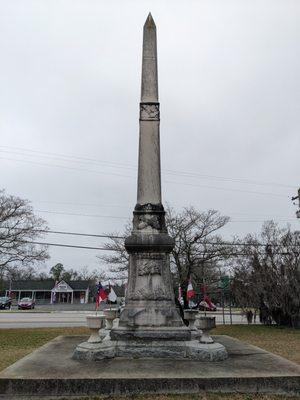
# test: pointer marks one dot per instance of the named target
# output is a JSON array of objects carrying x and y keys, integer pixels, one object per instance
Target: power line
[
  {"x": 260, "y": 220},
  {"x": 83, "y": 234},
  {"x": 166, "y": 181},
  {"x": 66, "y": 167},
  {"x": 134, "y": 167},
  {"x": 201, "y": 243},
  {"x": 70, "y": 203},
  {"x": 72, "y": 157},
  {"x": 81, "y": 215},
  {"x": 123, "y": 217},
  {"x": 228, "y": 189},
  {"x": 169, "y": 171},
  {"x": 68, "y": 233},
  {"x": 129, "y": 206},
  {"x": 223, "y": 243},
  {"x": 107, "y": 249},
  {"x": 65, "y": 245}
]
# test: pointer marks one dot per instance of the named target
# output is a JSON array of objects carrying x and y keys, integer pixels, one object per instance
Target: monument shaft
[
  {"x": 150, "y": 295},
  {"x": 149, "y": 181}
]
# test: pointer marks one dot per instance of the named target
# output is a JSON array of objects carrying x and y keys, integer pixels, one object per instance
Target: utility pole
[
  {"x": 230, "y": 310},
  {"x": 297, "y": 198},
  {"x": 9, "y": 294}
]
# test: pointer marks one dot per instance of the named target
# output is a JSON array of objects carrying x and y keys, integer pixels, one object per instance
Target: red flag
[
  {"x": 208, "y": 301},
  {"x": 190, "y": 291},
  {"x": 101, "y": 294}
]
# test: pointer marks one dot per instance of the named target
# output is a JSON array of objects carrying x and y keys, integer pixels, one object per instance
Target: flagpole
[{"x": 109, "y": 294}]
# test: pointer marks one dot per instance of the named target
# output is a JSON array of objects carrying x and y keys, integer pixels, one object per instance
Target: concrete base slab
[
  {"x": 174, "y": 350},
  {"x": 51, "y": 372}
]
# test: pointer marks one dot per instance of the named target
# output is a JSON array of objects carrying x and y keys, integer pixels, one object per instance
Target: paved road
[{"x": 27, "y": 319}]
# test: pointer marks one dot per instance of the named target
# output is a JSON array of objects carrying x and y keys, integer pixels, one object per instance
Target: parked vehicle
[
  {"x": 5, "y": 303},
  {"x": 26, "y": 304},
  {"x": 204, "y": 306}
]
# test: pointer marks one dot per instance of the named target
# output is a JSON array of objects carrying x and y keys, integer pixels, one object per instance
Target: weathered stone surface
[
  {"x": 95, "y": 323},
  {"x": 95, "y": 351},
  {"x": 149, "y": 92},
  {"x": 139, "y": 243},
  {"x": 206, "y": 352},
  {"x": 141, "y": 347},
  {"x": 149, "y": 112},
  {"x": 150, "y": 334},
  {"x": 149, "y": 301},
  {"x": 149, "y": 179},
  {"x": 247, "y": 369}
]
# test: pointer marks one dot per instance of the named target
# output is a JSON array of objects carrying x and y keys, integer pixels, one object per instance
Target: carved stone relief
[
  {"x": 150, "y": 277},
  {"x": 148, "y": 221},
  {"x": 150, "y": 264},
  {"x": 149, "y": 112}
]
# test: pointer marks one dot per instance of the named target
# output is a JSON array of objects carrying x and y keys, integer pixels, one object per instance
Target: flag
[
  {"x": 53, "y": 299},
  {"x": 53, "y": 294},
  {"x": 112, "y": 295},
  {"x": 190, "y": 291},
  {"x": 101, "y": 295},
  {"x": 180, "y": 299},
  {"x": 208, "y": 301}
]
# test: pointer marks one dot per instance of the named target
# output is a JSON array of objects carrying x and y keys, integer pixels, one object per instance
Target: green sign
[{"x": 224, "y": 283}]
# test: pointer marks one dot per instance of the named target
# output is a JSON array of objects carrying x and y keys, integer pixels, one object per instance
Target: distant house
[{"x": 46, "y": 291}]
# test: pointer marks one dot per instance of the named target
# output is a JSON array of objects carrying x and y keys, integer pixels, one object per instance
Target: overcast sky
[{"x": 229, "y": 87}]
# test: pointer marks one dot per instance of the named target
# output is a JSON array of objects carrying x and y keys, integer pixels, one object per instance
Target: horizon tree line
[{"x": 264, "y": 268}]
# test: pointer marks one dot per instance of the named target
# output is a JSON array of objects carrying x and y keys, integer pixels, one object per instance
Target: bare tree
[
  {"x": 58, "y": 272},
  {"x": 198, "y": 247},
  {"x": 19, "y": 227},
  {"x": 117, "y": 258},
  {"x": 267, "y": 275},
  {"x": 85, "y": 274}
]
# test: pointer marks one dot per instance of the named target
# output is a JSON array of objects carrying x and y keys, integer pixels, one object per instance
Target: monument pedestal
[{"x": 161, "y": 349}]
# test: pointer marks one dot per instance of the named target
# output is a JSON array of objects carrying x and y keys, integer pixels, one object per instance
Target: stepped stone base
[
  {"x": 179, "y": 350},
  {"x": 51, "y": 372},
  {"x": 162, "y": 333}
]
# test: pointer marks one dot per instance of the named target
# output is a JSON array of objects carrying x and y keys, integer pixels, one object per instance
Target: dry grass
[
  {"x": 284, "y": 342},
  {"x": 198, "y": 396},
  {"x": 17, "y": 343}
]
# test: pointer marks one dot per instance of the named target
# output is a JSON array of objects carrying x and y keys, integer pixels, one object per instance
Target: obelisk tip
[
  {"x": 150, "y": 24},
  {"x": 149, "y": 91}
]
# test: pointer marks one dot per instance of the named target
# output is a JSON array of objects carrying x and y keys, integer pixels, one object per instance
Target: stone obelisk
[
  {"x": 150, "y": 303},
  {"x": 149, "y": 181},
  {"x": 150, "y": 325}
]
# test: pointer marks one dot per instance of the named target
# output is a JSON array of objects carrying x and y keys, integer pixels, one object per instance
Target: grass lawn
[
  {"x": 16, "y": 343},
  {"x": 282, "y": 341},
  {"x": 199, "y": 396}
]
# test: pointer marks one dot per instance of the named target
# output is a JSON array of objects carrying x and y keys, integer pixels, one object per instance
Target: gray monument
[{"x": 150, "y": 325}]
